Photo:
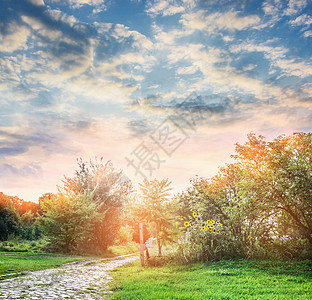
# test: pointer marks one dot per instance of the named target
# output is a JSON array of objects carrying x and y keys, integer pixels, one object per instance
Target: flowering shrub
[{"x": 209, "y": 239}]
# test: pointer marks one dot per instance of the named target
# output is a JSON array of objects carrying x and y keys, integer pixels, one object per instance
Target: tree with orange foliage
[
  {"x": 95, "y": 185},
  {"x": 280, "y": 179},
  {"x": 264, "y": 198}
]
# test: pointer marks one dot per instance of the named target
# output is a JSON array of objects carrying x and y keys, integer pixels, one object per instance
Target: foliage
[
  {"x": 278, "y": 183},
  {"x": 263, "y": 200},
  {"x": 124, "y": 236},
  {"x": 85, "y": 215},
  {"x": 17, "y": 217},
  {"x": 207, "y": 240},
  {"x": 109, "y": 191},
  {"x": 9, "y": 220},
  {"x": 69, "y": 220},
  {"x": 155, "y": 209}
]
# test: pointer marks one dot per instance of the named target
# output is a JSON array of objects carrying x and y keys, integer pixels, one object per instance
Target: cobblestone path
[{"x": 78, "y": 280}]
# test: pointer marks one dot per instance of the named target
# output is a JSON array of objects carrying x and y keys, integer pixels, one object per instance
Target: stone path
[{"x": 78, "y": 280}]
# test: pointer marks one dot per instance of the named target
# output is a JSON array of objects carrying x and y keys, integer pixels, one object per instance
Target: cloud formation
[{"x": 82, "y": 77}]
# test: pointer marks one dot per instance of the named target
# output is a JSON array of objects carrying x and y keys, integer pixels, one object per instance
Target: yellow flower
[
  {"x": 249, "y": 236},
  {"x": 186, "y": 224},
  {"x": 208, "y": 226},
  {"x": 220, "y": 224},
  {"x": 211, "y": 226},
  {"x": 208, "y": 221},
  {"x": 212, "y": 221},
  {"x": 194, "y": 214},
  {"x": 203, "y": 228},
  {"x": 210, "y": 229}
]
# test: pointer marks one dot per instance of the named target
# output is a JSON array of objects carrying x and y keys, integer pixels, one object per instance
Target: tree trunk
[
  {"x": 159, "y": 247},
  {"x": 147, "y": 253}
]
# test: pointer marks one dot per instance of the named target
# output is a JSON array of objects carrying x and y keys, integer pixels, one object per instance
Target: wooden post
[{"x": 141, "y": 245}]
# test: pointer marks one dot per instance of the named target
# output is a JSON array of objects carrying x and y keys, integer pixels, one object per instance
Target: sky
[{"x": 163, "y": 89}]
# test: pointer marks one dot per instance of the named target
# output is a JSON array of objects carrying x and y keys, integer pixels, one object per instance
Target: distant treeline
[{"x": 17, "y": 217}]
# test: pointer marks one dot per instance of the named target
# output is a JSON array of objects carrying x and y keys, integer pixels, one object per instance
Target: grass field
[
  {"x": 21, "y": 257},
  {"x": 219, "y": 280},
  {"x": 16, "y": 264}
]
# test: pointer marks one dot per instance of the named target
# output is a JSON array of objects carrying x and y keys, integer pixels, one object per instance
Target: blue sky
[{"x": 161, "y": 88}]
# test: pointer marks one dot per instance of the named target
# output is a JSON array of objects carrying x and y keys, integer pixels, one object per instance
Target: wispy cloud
[
  {"x": 277, "y": 9},
  {"x": 277, "y": 55},
  {"x": 295, "y": 6},
  {"x": 97, "y": 5},
  {"x": 24, "y": 171},
  {"x": 307, "y": 33},
  {"x": 302, "y": 20},
  {"x": 168, "y": 7},
  {"x": 211, "y": 23}
]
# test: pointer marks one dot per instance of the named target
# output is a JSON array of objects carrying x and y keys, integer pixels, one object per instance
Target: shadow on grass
[{"x": 302, "y": 268}]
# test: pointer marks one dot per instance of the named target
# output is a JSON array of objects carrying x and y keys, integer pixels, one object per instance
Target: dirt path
[{"x": 78, "y": 280}]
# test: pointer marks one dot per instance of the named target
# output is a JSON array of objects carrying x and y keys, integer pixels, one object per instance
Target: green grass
[
  {"x": 16, "y": 244},
  {"x": 129, "y": 248},
  {"x": 19, "y": 263},
  {"x": 19, "y": 257},
  {"x": 220, "y": 280}
]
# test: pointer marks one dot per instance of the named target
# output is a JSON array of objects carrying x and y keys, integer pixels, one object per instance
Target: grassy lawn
[
  {"x": 14, "y": 263},
  {"x": 219, "y": 280},
  {"x": 19, "y": 263}
]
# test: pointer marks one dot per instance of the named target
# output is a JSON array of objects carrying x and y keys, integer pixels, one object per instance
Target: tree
[
  {"x": 282, "y": 181},
  {"x": 9, "y": 218},
  {"x": 17, "y": 217},
  {"x": 69, "y": 220},
  {"x": 155, "y": 209},
  {"x": 264, "y": 198},
  {"x": 109, "y": 191}
]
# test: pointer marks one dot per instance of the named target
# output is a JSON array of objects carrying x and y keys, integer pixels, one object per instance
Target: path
[{"x": 78, "y": 280}]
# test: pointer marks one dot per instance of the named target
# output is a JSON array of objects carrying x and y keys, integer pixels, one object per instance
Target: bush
[
  {"x": 210, "y": 241},
  {"x": 159, "y": 261},
  {"x": 17, "y": 244}
]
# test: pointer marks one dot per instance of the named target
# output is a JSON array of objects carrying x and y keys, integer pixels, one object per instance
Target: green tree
[
  {"x": 279, "y": 179},
  {"x": 17, "y": 217},
  {"x": 9, "y": 218},
  {"x": 110, "y": 193},
  {"x": 69, "y": 220},
  {"x": 156, "y": 208},
  {"x": 264, "y": 198}
]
